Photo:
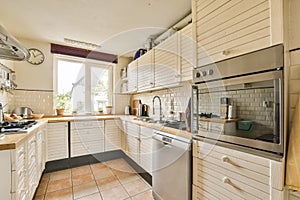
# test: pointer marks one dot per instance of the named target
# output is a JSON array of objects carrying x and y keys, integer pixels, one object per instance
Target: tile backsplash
[
  {"x": 39, "y": 101},
  {"x": 172, "y": 99}
]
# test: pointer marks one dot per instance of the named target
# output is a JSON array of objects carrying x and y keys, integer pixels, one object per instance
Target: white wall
[{"x": 35, "y": 77}]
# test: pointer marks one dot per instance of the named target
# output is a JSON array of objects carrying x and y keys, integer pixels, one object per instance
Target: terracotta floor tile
[
  {"x": 85, "y": 189},
  {"x": 65, "y": 194},
  {"x": 81, "y": 179},
  {"x": 144, "y": 196},
  {"x": 63, "y": 174},
  {"x": 115, "y": 193},
  {"x": 81, "y": 170},
  {"x": 59, "y": 184},
  {"x": 127, "y": 177},
  {"x": 102, "y": 173},
  {"x": 98, "y": 166},
  {"x": 39, "y": 197},
  {"x": 95, "y": 196},
  {"x": 135, "y": 187},
  {"x": 45, "y": 177},
  {"x": 42, "y": 188},
  {"x": 107, "y": 183}
]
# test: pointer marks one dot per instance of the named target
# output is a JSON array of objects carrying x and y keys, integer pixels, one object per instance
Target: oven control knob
[
  {"x": 210, "y": 72},
  {"x": 204, "y": 73},
  {"x": 198, "y": 75}
]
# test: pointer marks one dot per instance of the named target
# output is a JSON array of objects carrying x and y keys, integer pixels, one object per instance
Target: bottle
[
  {"x": 232, "y": 111},
  {"x": 1, "y": 114}
]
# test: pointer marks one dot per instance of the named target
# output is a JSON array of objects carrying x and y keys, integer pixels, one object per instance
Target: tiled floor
[{"x": 112, "y": 180}]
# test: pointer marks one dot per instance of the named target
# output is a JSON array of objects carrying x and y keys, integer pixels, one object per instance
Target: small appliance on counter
[
  {"x": 127, "y": 110},
  {"x": 143, "y": 110}
]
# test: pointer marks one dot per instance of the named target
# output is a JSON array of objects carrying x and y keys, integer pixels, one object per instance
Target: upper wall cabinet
[
  {"x": 294, "y": 24},
  {"x": 132, "y": 76},
  {"x": 166, "y": 62},
  {"x": 187, "y": 53},
  {"x": 227, "y": 28},
  {"x": 145, "y": 77}
]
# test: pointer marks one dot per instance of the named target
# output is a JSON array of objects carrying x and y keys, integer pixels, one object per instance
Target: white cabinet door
[
  {"x": 229, "y": 28},
  {"x": 57, "y": 141},
  {"x": 166, "y": 62},
  {"x": 87, "y": 137},
  {"x": 187, "y": 53},
  {"x": 132, "y": 141},
  {"x": 146, "y": 148},
  {"x": 145, "y": 77},
  {"x": 294, "y": 24},
  {"x": 113, "y": 134},
  {"x": 132, "y": 76}
]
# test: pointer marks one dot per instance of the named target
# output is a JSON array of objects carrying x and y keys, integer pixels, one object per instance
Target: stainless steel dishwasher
[{"x": 171, "y": 177}]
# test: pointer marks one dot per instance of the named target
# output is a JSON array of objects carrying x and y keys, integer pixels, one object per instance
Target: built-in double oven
[{"x": 240, "y": 100}]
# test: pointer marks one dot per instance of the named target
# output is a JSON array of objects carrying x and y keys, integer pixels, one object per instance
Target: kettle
[
  {"x": 127, "y": 110},
  {"x": 143, "y": 110}
]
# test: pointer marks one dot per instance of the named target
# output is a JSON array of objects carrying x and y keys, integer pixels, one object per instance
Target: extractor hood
[{"x": 10, "y": 47}]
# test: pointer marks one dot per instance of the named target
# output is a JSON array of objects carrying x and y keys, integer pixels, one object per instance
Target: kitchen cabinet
[
  {"x": 187, "y": 49},
  {"x": 21, "y": 168},
  {"x": 146, "y": 148},
  {"x": 132, "y": 72},
  {"x": 57, "y": 141},
  {"x": 132, "y": 140},
  {"x": 227, "y": 28},
  {"x": 166, "y": 62},
  {"x": 145, "y": 72},
  {"x": 294, "y": 24},
  {"x": 87, "y": 137},
  {"x": 113, "y": 135},
  {"x": 138, "y": 144},
  {"x": 220, "y": 172}
]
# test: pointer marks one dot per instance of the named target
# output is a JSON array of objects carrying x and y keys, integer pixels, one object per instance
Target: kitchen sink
[{"x": 167, "y": 123}]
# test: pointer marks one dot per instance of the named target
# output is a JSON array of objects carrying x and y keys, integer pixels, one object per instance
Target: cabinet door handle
[
  {"x": 226, "y": 180},
  {"x": 226, "y": 52},
  {"x": 225, "y": 159}
]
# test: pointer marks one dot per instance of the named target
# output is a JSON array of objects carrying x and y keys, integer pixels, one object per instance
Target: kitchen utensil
[
  {"x": 23, "y": 111},
  {"x": 36, "y": 116}
]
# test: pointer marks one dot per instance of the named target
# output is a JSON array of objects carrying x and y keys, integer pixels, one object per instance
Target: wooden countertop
[{"x": 12, "y": 141}]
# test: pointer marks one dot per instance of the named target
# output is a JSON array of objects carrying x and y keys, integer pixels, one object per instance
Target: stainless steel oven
[{"x": 240, "y": 100}]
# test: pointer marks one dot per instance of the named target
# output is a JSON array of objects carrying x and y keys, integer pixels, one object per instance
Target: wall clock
[{"x": 36, "y": 56}]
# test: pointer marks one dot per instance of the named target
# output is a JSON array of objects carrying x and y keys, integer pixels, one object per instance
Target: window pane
[
  {"x": 71, "y": 80},
  {"x": 100, "y": 87}
]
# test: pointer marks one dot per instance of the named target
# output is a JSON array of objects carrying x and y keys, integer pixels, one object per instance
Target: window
[{"x": 88, "y": 83}]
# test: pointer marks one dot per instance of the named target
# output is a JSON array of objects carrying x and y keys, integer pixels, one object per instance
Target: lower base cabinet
[
  {"x": 223, "y": 173},
  {"x": 21, "y": 168}
]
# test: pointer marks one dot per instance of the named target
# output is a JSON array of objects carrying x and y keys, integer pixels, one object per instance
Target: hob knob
[{"x": 198, "y": 75}]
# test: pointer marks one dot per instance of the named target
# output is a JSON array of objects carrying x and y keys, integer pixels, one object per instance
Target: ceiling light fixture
[{"x": 81, "y": 44}]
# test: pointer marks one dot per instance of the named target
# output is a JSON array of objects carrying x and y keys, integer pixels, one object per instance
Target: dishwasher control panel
[{"x": 167, "y": 139}]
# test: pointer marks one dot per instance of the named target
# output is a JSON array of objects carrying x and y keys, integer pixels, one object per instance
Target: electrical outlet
[{"x": 265, "y": 104}]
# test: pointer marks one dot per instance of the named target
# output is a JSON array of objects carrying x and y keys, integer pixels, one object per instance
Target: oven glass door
[{"x": 247, "y": 112}]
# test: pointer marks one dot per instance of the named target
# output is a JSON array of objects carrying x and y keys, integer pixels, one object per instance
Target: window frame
[{"x": 88, "y": 65}]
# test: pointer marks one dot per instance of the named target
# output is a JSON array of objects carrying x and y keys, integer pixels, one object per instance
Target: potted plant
[{"x": 63, "y": 103}]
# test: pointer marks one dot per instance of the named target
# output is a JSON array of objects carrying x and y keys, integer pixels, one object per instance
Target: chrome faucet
[{"x": 160, "y": 112}]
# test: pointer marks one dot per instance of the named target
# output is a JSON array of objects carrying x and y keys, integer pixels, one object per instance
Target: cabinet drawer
[
  {"x": 228, "y": 183},
  {"x": 87, "y": 124}
]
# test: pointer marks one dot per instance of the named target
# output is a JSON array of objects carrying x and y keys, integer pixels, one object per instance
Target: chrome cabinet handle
[
  {"x": 225, "y": 159},
  {"x": 226, "y": 180}
]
